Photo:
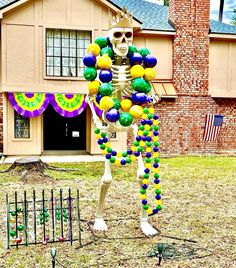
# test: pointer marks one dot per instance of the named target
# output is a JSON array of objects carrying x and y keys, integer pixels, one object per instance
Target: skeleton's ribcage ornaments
[{"x": 124, "y": 93}]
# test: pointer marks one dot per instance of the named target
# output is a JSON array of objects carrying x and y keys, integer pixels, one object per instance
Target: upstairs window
[{"x": 65, "y": 50}]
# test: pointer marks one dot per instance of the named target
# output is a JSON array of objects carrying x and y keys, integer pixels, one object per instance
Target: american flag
[{"x": 212, "y": 128}]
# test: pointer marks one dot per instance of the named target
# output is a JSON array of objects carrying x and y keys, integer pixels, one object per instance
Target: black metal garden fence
[{"x": 54, "y": 217}]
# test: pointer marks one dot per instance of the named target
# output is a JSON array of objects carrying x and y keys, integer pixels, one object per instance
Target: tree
[
  {"x": 234, "y": 18},
  {"x": 166, "y": 2}
]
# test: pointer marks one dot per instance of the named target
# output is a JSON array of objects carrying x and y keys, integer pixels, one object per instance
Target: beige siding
[
  {"x": 23, "y": 61},
  {"x": 162, "y": 48},
  {"x": 13, "y": 146},
  {"x": 222, "y": 69}
]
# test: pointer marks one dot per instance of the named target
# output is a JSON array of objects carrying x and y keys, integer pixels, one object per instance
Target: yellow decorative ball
[
  {"x": 119, "y": 154},
  {"x": 151, "y": 110},
  {"x": 145, "y": 116},
  {"x": 142, "y": 143},
  {"x": 137, "y": 71},
  {"x": 149, "y": 210},
  {"x": 149, "y": 74},
  {"x": 106, "y": 103},
  {"x": 126, "y": 105},
  {"x": 136, "y": 111},
  {"x": 94, "y": 49},
  {"x": 104, "y": 62},
  {"x": 93, "y": 87},
  {"x": 133, "y": 157}
]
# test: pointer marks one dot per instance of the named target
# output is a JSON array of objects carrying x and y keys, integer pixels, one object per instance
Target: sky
[{"x": 229, "y": 6}]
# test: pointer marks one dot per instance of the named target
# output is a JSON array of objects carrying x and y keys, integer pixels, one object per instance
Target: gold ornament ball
[
  {"x": 93, "y": 87},
  {"x": 126, "y": 105},
  {"x": 104, "y": 62},
  {"x": 94, "y": 49},
  {"x": 137, "y": 71},
  {"x": 149, "y": 74},
  {"x": 136, "y": 111},
  {"x": 106, "y": 103}
]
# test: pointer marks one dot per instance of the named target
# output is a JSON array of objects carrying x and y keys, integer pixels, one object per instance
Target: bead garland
[{"x": 147, "y": 137}]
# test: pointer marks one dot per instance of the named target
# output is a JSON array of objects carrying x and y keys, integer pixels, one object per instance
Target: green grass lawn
[{"x": 199, "y": 196}]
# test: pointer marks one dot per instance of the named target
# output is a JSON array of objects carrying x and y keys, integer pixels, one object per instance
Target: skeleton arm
[{"x": 96, "y": 119}]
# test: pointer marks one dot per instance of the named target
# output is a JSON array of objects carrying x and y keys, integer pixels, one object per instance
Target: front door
[{"x": 63, "y": 133}]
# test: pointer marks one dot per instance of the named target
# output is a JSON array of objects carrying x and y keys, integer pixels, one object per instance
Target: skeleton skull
[{"x": 121, "y": 38}]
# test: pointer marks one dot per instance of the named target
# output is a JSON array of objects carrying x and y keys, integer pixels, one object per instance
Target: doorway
[{"x": 64, "y": 133}]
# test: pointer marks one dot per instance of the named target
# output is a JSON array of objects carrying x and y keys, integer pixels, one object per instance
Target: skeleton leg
[
  {"x": 146, "y": 227},
  {"x": 99, "y": 224}
]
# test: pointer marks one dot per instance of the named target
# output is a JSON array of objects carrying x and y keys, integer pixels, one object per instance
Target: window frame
[{"x": 62, "y": 27}]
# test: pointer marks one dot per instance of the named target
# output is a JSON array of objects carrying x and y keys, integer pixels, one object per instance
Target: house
[{"x": 42, "y": 46}]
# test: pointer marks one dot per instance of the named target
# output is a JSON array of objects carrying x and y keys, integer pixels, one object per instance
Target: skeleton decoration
[{"x": 122, "y": 93}]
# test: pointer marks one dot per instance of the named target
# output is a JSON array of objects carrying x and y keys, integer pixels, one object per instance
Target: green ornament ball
[
  {"x": 20, "y": 228},
  {"x": 159, "y": 207},
  {"x": 105, "y": 89},
  {"x": 132, "y": 49},
  {"x": 96, "y": 131},
  {"x": 109, "y": 150},
  {"x": 147, "y": 87},
  {"x": 142, "y": 191},
  {"x": 112, "y": 160},
  {"x": 90, "y": 73},
  {"x": 139, "y": 84},
  {"x": 140, "y": 148},
  {"x": 103, "y": 146},
  {"x": 108, "y": 51},
  {"x": 12, "y": 233},
  {"x": 158, "y": 191},
  {"x": 116, "y": 104},
  {"x": 125, "y": 119},
  {"x": 128, "y": 160},
  {"x": 145, "y": 207},
  {"x": 101, "y": 41},
  {"x": 144, "y": 51},
  {"x": 124, "y": 154}
]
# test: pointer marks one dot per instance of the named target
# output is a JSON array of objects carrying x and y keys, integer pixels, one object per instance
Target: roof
[
  {"x": 5, "y": 3},
  {"x": 153, "y": 16},
  {"x": 222, "y": 28}
]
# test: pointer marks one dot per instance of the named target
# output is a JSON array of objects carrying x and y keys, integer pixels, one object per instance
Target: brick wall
[{"x": 191, "y": 45}]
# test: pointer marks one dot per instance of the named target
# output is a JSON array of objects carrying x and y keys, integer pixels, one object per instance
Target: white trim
[{"x": 223, "y": 36}]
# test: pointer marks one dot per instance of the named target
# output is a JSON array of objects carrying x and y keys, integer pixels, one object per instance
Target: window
[
  {"x": 65, "y": 50},
  {"x": 22, "y": 126}
]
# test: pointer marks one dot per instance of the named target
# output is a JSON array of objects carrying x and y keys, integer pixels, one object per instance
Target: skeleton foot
[
  {"x": 146, "y": 228},
  {"x": 100, "y": 225}
]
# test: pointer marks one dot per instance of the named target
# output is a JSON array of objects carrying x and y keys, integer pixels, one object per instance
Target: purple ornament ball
[
  {"x": 105, "y": 76},
  {"x": 135, "y": 58},
  {"x": 89, "y": 60},
  {"x": 139, "y": 97},
  {"x": 150, "y": 61},
  {"x": 112, "y": 115}
]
